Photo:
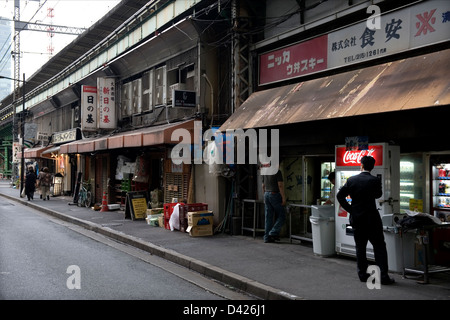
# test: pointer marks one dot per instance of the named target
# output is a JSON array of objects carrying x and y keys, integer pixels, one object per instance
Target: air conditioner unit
[
  {"x": 160, "y": 86},
  {"x": 172, "y": 88},
  {"x": 137, "y": 96},
  {"x": 147, "y": 91},
  {"x": 177, "y": 86}
]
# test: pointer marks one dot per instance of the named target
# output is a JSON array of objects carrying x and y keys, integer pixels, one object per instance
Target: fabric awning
[
  {"x": 51, "y": 152},
  {"x": 32, "y": 153},
  {"x": 411, "y": 83},
  {"x": 150, "y": 136}
]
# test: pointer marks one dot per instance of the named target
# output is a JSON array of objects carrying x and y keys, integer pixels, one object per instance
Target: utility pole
[
  {"x": 16, "y": 52},
  {"x": 19, "y": 26}
]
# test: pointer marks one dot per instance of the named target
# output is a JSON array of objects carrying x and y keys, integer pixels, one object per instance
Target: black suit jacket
[{"x": 363, "y": 189}]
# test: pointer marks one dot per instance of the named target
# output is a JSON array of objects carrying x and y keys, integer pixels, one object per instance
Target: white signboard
[
  {"x": 88, "y": 108},
  {"x": 401, "y": 30},
  {"x": 106, "y": 103},
  {"x": 17, "y": 146},
  {"x": 413, "y": 27}
]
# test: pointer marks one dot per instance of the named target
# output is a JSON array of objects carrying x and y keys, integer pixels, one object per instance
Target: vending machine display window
[
  {"x": 440, "y": 173},
  {"x": 325, "y": 185},
  {"x": 412, "y": 183}
]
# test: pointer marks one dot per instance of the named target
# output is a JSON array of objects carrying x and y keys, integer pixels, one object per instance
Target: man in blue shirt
[{"x": 274, "y": 202}]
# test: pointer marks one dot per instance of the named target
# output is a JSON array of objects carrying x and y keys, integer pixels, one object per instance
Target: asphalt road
[{"x": 47, "y": 259}]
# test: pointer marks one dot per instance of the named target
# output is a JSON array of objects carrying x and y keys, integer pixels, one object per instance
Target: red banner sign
[
  {"x": 345, "y": 158},
  {"x": 294, "y": 61}
]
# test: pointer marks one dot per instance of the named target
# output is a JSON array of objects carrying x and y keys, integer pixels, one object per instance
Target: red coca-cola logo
[{"x": 345, "y": 158}]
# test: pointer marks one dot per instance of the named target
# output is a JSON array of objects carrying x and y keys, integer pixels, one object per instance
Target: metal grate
[{"x": 176, "y": 186}]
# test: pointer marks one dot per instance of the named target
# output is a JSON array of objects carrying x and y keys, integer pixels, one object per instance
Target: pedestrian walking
[
  {"x": 45, "y": 180},
  {"x": 365, "y": 220},
  {"x": 274, "y": 202},
  {"x": 30, "y": 183}
]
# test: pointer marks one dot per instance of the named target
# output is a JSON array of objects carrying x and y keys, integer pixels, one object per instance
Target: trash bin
[
  {"x": 323, "y": 232},
  {"x": 400, "y": 245}
]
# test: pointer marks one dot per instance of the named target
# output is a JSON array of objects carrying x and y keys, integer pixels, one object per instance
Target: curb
[{"x": 247, "y": 285}]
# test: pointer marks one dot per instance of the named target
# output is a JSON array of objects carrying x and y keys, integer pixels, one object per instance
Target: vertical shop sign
[
  {"x": 88, "y": 108},
  {"x": 106, "y": 103},
  {"x": 17, "y": 147}
]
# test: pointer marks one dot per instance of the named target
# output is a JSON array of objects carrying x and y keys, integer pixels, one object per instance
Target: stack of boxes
[
  {"x": 194, "y": 218},
  {"x": 155, "y": 217}
]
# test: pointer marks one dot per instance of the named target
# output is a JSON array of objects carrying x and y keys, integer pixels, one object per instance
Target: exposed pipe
[{"x": 212, "y": 97}]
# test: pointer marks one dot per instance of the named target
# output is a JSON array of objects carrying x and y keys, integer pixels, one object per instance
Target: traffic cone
[{"x": 104, "y": 203}]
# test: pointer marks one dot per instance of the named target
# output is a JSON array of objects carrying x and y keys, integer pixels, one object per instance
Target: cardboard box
[
  {"x": 200, "y": 231},
  {"x": 200, "y": 218},
  {"x": 161, "y": 221},
  {"x": 153, "y": 220},
  {"x": 155, "y": 211},
  {"x": 190, "y": 207}
]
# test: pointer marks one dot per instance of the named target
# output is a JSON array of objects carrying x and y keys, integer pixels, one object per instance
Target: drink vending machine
[{"x": 387, "y": 168}]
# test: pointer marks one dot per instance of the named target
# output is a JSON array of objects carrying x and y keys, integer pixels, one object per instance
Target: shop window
[
  {"x": 126, "y": 100},
  {"x": 136, "y": 95},
  {"x": 147, "y": 91}
]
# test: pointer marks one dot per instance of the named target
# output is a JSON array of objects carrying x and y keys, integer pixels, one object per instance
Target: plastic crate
[{"x": 168, "y": 209}]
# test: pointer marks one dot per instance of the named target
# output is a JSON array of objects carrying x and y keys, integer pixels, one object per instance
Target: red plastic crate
[
  {"x": 183, "y": 212},
  {"x": 166, "y": 224},
  {"x": 168, "y": 209}
]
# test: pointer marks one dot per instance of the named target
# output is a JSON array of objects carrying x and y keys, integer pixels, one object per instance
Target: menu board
[{"x": 136, "y": 205}]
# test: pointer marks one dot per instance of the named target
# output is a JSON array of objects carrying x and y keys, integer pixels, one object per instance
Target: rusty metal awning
[{"x": 411, "y": 83}]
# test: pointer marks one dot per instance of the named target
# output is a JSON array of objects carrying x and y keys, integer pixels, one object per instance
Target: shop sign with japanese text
[
  {"x": 294, "y": 61},
  {"x": 416, "y": 26},
  {"x": 65, "y": 136},
  {"x": 106, "y": 89},
  {"x": 88, "y": 108}
]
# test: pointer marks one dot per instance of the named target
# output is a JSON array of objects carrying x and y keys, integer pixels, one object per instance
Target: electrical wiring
[{"x": 4, "y": 60}]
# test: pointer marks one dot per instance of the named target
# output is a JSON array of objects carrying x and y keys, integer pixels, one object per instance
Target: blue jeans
[{"x": 275, "y": 214}]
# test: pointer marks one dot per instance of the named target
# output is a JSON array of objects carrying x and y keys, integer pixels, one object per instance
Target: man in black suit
[{"x": 365, "y": 219}]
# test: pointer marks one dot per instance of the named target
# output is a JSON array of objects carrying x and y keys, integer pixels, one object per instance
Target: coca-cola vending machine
[{"x": 387, "y": 168}]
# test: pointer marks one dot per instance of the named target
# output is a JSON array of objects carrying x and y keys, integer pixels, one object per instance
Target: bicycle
[{"x": 85, "y": 195}]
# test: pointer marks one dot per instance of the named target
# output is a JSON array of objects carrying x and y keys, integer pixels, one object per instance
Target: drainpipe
[{"x": 212, "y": 97}]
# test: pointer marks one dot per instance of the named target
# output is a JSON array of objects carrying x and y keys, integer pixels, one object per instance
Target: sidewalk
[{"x": 281, "y": 270}]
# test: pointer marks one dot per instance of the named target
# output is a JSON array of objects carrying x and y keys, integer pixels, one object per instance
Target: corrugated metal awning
[{"x": 411, "y": 83}]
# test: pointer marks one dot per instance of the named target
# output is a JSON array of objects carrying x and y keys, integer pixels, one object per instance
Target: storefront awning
[
  {"x": 151, "y": 136},
  {"x": 412, "y": 83},
  {"x": 51, "y": 152},
  {"x": 33, "y": 153}
]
